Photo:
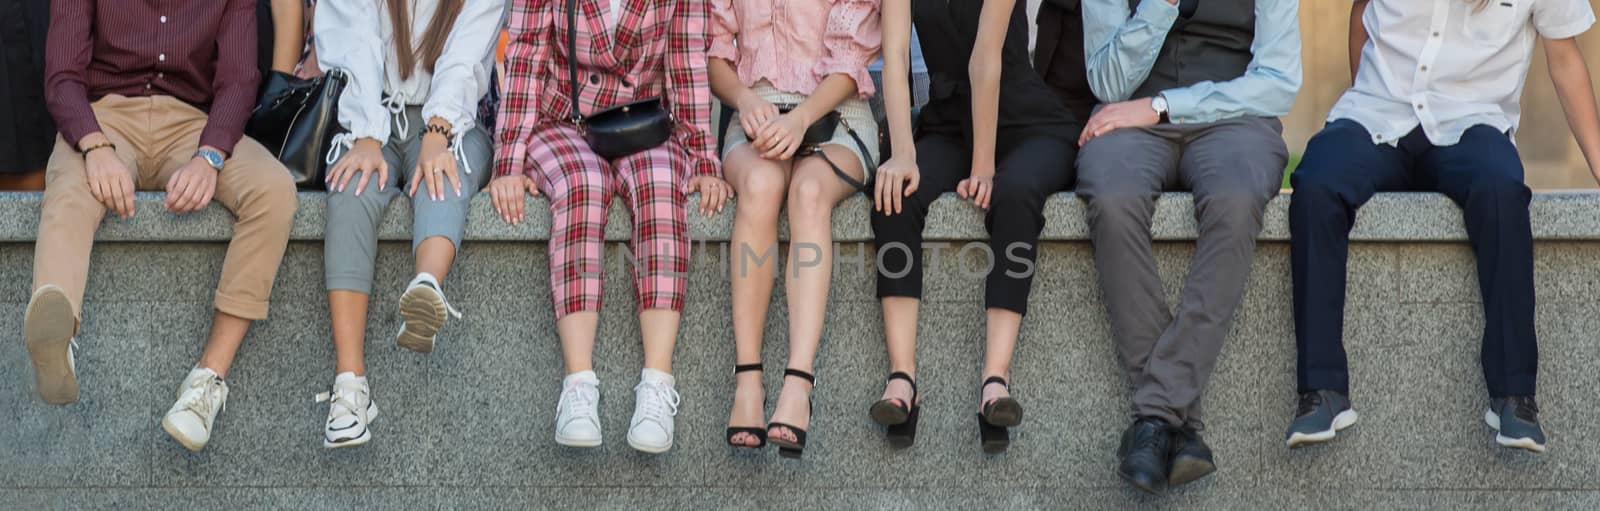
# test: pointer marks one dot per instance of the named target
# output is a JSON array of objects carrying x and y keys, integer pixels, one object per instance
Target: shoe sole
[
  {"x": 577, "y": 442},
  {"x": 1505, "y": 441},
  {"x": 48, "y": 328},
  {"x": 366, "y": 434},
  {"x": 424, "y": 313},
  {"x": 186, "y": 442},
  {"x": 1155, "y": 489},
  {"x": 1344, "y": 420},
  {"x": 888, "y": 414},
  {"x": 1188, "y": 469},
  {"x": 1005, "y": 412},
  {"x": 648, "y": 449}
]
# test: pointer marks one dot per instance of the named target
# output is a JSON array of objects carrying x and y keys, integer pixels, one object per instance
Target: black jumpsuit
[{"x": 1035, "y": 147}]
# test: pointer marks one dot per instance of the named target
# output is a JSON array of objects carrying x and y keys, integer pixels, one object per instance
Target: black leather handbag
[
  {"x": 821, "y": 132},
  {"x": 296, "y": 119},
  {"x": 621, "y": 130}
]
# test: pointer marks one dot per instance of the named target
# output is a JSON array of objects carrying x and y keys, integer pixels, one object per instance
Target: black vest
[{"x": 1212, "y": 45}]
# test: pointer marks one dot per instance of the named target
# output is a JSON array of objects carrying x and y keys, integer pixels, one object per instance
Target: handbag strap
[
  {"x": 865, "y": 154},
  {"x": 572, "y": 58}
]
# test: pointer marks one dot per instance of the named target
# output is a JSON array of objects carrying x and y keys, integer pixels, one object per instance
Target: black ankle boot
[{"x": 1143, "y": 454}]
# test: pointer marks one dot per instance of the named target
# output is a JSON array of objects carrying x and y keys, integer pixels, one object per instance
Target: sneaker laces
[
  {"x": 575, "y": 403},
  {"x": 200, "y": 395},
  {"x": 1309, "y": 402},
  {"x": 657, "y": 401},
  {"x": 1525, "y": 408}
]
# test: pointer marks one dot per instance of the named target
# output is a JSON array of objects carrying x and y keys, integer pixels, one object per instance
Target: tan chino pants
[{"x": 155, "y": 136}]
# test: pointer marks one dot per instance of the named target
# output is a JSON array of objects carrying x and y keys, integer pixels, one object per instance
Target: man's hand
[
  {"x": 435, "y": 165},
  {"x": 192, "y": 187},
  {"x": 509, "y": 196},
  {"x": 365, "y": 158},
  {"x": 110, "y": 182},
  {"x": 1135, "y": 113}
]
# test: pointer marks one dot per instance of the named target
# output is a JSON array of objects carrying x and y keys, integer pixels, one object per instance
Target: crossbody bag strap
[
  {"x": 572, "y": 58},
  {"x": 865, "y": 154}
]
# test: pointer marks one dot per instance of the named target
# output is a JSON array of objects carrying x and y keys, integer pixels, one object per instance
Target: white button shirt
[{"x": 1449, "y": 65}]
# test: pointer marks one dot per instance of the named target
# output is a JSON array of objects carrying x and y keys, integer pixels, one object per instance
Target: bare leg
[
  {"x": 1003, "y": 327},
  {"x": 660, "y": 329},
  {"x": 813, "y": 192},
  {"x": 900, "y": 332},
  {"x": 434, "y": 257},
  {"x": 349, "y": 311},
  {"x": 227, "y": 333},
  {"x": 577, "y": 331},
  {"x": 761, "y": 184}
]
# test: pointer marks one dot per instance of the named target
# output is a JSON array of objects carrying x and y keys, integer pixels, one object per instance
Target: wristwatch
[
  {"x": 1159, "y": 104},
  {"x": 212, "y": 158}
]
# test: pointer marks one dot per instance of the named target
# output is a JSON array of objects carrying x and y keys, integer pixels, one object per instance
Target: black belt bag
[
  {"x": 621, "y": 130},
  {"x": 821, "y": 132}
]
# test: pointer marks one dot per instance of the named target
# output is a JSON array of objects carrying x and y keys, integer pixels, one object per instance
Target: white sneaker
[
  {"x": 201, "y": 397},
  {"x": 350, "y": 411},
  {"x": 425, "y": 310},
  {"x": 48, "y": 327},
  {"x": 578, "y": 415},
  {"x": 655, "y": 405}
]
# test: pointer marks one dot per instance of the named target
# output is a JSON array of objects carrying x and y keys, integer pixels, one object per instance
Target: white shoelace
[
  {"x": 576, "y": 403},
  {"x": 201, "y": 396},
  {"x": 659, "y": 401}
]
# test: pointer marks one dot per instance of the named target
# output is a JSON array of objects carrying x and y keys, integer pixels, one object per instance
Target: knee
[
  {"x": 1018, "y": 197},
  {"x": 1499, "y": 191},
  {"x": 580, "y": 190},
  {"x": 808, "y": 201},
  {"x": 1120, "y": 208},
  {"x": 762, "y": 196},
  {"x": 1230, "y": 208},
  {"x": 273, "y": 200}
]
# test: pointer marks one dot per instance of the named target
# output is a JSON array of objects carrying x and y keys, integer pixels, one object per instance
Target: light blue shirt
[
  {"x": 918, "y": 66},
  {"x": 1120, "y": 48}
]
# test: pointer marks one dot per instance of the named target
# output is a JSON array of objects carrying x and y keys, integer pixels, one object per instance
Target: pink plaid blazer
[{"x": 658, "y": 48}]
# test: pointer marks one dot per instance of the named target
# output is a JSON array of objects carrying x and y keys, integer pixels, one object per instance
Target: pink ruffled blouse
[{"x": 794, "y": 44}]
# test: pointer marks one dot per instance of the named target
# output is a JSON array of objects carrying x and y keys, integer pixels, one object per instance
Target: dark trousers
[
  {"x": 1341, "y": 170},
  {"x": 1031, "y": 164}
]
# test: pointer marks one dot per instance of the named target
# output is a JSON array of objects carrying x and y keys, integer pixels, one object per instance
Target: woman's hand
[
  {"x": 365, "y": 159},
  {"x": 509, "y": 196},
  {"x": 754, "y": 114},
  {"x": 435, "y": 164},
  {"x": 978, "y": 187},
  {"x": 714, "y": 193},
  {"x": 781, "y": 138},
  {"x": 897, "y": 179}
]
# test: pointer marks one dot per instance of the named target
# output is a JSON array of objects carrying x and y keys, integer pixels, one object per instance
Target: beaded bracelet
[{"x": 99, "y": 146}]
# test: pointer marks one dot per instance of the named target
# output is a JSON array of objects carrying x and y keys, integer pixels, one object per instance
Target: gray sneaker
[
  {"x": 1516, "y": 422},
  {"x": 1322, "y": 414}
]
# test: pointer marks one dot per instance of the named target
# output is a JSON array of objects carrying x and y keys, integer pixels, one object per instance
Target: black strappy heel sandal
[
  {"x": 759, "y": 432},
  {"x": 901, "y": 418},
  {"x": 796, "y": 448},
  {"x": 1005, "y": 412},
  {"x": 997, "y": 416}
]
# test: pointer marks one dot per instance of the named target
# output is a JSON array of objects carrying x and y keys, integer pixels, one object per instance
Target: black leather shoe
[
  {"x": 1191, "y": 457},
  {"x": 1143, "y": 455}
]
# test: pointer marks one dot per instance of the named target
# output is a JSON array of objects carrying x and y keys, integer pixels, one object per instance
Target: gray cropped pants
[{"x": 351, "y": 249}]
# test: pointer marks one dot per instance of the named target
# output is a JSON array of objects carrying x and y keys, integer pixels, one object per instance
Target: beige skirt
[{"x": 855, "y": 113}]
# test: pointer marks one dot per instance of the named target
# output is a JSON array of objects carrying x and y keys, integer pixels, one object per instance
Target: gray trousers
[
  {"x": 351, "y": 249},
  {"x": 1233, "y": 167}
]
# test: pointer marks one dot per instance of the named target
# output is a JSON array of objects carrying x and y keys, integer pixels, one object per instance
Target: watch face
[{"x": 212, "y": 158}]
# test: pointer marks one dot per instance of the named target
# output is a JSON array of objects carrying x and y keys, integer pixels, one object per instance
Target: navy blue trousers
[{"x": 1341, "y": 170}]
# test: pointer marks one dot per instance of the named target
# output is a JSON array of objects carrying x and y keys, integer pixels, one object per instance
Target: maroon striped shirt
[{"x": 202, "y": 52}]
